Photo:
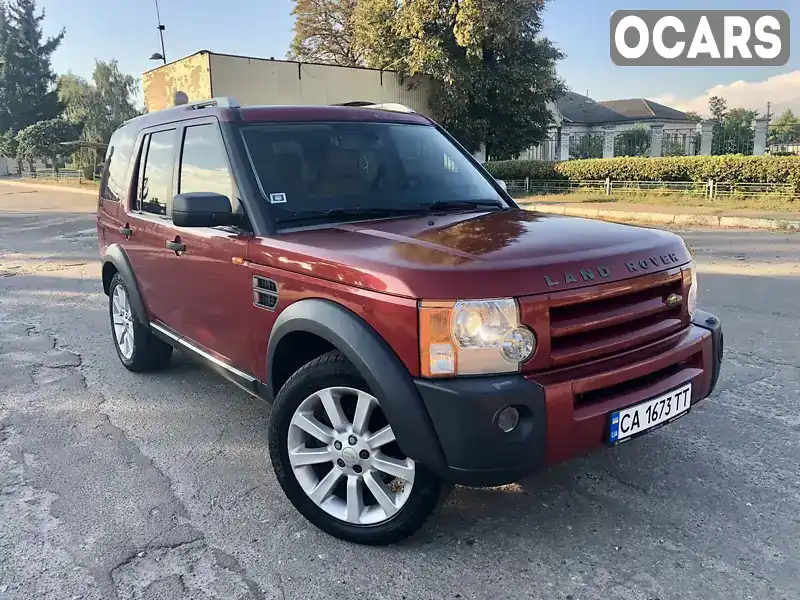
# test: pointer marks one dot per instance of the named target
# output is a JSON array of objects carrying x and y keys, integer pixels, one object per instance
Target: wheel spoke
[
  {"x": 118, "y": 320},
  {"x": 391, "y": 466},
  {"x": 380, "y": 493},
  {"x": 381, "y": 438},
  {"x": 355, "y": 499},
  {"x": 313, "y": 427},
  {"x": 333, "y": 408},
  {"x": 324, "y": 488},
  {"x": 309, "y": 456},
  {"x": 127, "y": 343},
  {"x": 363, "y": 411},
  {"x": 117, "y": 302}
]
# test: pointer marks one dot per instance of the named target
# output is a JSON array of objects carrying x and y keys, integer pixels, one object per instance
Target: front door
[
  {"x": 215, "y": 289},
  {"x": 149, "y": 224}
]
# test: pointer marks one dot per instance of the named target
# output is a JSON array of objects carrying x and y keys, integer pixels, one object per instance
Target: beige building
[{"x": 259, "y": 81}]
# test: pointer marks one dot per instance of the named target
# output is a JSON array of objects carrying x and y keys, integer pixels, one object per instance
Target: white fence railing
[
  {"x": 706, "y": 189},
  {"x": 49, "y": 174}
]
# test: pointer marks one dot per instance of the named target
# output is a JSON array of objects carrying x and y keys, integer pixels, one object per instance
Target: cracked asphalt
[{"x": 123, "y": 486}]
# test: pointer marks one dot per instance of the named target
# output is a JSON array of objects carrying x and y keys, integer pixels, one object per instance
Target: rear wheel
[
  {"x": 138, "y": 349},
  {"x": 337, "y": 460}
]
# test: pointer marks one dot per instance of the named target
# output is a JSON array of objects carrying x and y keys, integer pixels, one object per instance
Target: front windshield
[{"x": 307, "y": 170}]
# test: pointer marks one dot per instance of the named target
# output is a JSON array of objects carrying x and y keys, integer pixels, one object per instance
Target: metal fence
[
  {"x": 732, "y": 139},
  {"x": 50, "y": 175},
  {"x": 681, "y": 142},
  {"x": 586, "y": 145},
  {"x": 706, "y": 189},
  {"x": 549, "y": 149}
]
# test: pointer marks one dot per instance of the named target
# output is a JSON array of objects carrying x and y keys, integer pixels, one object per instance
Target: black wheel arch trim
[
  {"x": 375, "y": 361},
  {"x": 117, "y": 256},
  {"x": 712, "y": 323}
]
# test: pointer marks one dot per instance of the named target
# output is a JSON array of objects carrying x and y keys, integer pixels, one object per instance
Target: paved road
[{"x": 114, "y": 485}]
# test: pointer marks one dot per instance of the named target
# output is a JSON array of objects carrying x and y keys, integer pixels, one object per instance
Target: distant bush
[{"x": 729, "y": 168}]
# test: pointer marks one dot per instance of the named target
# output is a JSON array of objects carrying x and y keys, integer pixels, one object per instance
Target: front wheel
[{"x": 337, "y": 460}]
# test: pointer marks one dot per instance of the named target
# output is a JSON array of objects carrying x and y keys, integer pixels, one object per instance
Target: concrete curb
[
  {"x": 698, "y": 220},
  {"x": 46, "y": 186}
]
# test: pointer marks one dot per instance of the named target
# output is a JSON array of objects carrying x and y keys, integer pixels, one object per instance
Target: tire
[
  {"x": 407, "y": 496},
  {"x": 138, "y": 349}
]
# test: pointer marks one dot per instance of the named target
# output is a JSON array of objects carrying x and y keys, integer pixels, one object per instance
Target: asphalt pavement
[{"x": 115, "y": 485}]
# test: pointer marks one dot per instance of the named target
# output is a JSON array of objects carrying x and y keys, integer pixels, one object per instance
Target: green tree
[
  {"x": 693, "y": 116},
  {"x": 324, "y": 32},
  {"x": 717, "y": 107},
  {"x": 784, "y": 134},
  {"x": 9, "y": 146},
  {"x": 98, "y": 107},
  {"x": 44, "y": 139},
  {"x": 493, "y": 71},
  {"x": 27, "y": 78}
]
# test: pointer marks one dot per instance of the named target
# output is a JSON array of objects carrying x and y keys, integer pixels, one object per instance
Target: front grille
[{"x": 614, "y": 318}]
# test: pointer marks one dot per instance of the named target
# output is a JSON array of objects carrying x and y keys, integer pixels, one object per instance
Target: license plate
[{"x": 648, "y": 415}]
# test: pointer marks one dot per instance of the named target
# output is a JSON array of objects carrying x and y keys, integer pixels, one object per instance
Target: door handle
[
  {"x": 126, "y": 231},
  {"x": 176, "y": 247}
]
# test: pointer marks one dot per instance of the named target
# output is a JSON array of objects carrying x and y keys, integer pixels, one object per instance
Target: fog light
[{"x": 508, "y": 419}]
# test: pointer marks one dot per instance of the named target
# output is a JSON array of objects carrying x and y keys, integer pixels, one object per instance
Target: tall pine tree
[{"x": 27, "y": 80}]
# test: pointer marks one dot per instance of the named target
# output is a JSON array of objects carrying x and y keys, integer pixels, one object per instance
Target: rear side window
[
  {"x": 204, "y": 163},
  {"x": 114, "y": 182},
  {"x": 156, "y": 177}
]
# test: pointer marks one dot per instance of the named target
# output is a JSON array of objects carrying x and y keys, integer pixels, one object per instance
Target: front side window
[
  {"x": 156, "y": 178},
  {"x": 204, "y": 162},
  {"x": 311, "y": 169}
]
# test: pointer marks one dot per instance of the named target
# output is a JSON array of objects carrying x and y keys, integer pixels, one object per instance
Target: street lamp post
[{"x": 161, "y": 29}]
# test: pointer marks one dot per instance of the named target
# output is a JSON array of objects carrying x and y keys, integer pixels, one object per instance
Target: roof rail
[
  {"x": 220, "y": 101},
  {"x": 391, "y": 106}
]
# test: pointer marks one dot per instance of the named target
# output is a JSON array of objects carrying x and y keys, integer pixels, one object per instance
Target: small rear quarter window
[{"x": 114, "y": 183}]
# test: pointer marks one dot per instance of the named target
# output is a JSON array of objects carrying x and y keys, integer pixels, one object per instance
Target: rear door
[
  {"x": 216, "y": 289},
  {"x": 150, "y": 222}
]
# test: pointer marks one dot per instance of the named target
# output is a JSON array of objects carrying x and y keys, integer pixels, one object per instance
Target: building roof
[{"x": 582, "y": 109}]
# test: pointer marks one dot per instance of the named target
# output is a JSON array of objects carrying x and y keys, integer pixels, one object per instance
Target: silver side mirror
[{"x": 502, "y": 184}]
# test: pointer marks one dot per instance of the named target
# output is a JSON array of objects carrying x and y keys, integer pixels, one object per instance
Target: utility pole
[
  {"x": 161, "y": 29},
  {"x": 769, "y": 113}
]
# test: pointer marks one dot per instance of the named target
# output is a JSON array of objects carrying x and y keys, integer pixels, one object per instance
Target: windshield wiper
[
  {"x": 361, "y": 213},
  {"x": 458, "y": 204}
]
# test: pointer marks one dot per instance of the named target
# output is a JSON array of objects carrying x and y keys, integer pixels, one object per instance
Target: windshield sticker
[{"x": 277, "y": 198}]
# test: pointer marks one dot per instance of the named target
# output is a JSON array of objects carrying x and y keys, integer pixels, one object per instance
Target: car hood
[{"x": 473, "y": 255}]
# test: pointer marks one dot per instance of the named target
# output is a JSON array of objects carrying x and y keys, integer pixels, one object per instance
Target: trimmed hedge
[
  {"x": 732, "y": 168},
  {"x": 511, "y": 170}
]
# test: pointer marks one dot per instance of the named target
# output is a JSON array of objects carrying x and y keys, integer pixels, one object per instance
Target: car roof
[{"x": 226, "y": 109}]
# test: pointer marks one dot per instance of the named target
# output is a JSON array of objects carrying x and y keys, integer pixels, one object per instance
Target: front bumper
[{"x": 563, "y": 413}]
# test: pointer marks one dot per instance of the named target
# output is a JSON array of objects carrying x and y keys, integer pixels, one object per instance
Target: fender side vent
[{"x": 265, "y": 292}]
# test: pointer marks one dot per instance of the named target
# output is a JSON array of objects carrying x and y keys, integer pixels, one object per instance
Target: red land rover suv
[{"x": 413, "y": 327}]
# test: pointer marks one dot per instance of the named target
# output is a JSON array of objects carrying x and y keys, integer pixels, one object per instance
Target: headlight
[
  {"x": 692, "y": 301},
  {"x": 473, "y": 337}
]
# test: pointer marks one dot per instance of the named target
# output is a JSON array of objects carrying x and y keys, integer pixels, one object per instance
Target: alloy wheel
[
  {"x": 123, "y": 321},
  {"x": 344, "y": 455}
]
